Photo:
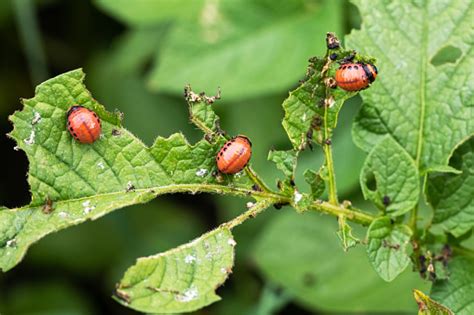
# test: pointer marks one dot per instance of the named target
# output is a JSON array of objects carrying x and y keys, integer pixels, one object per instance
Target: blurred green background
[{"x": 138, "y": 55}]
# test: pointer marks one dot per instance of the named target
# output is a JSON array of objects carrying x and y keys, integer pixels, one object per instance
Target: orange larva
[
  {"x": 355, "y": 76},
  {"x": 83, "y": 124},
  {"x": 234, "y": 155}
]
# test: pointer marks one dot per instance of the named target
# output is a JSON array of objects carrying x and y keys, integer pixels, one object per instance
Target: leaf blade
[
  {"x": 387, "y": 248},
  {"x": 183, "y": 279},
  {"x": 396, "y": 178},
  {"x": 410, "y": 110},
  {"x": 450, "y": 195}
]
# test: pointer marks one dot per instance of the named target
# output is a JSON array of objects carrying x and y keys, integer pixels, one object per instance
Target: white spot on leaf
[
  {"x": 189, "y": 259},
  {"x": 250, "y": 204},
  {"x": 188, "y": 295},
  {"x": 62, "y": 214},
  {"x": 100, "y": 165},
  {"x": 303, "y": 118},
  {"x": 36, "y": 118},
  {"x": 201, "y": 172},
  {"x": 231, "y": 242},
  {"x": 87, "y": 207},
  {"x": 11, "y": 243},
  {"x": 31, "y": 139},
  {"x": 297, "y": 196},
  {"x": 130, "y": 186},
  {"x": 223, "y": 270}
]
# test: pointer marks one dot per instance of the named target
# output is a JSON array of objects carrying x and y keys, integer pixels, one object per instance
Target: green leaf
[
  {"x": 427, "y": 108},
  {"x": 285, "y": 161},
  {"x": 427, "y": 306},
  {"x": 304, "y": 108},
  {"x": 397, "y": 186},
  {"x": 86, "y": 182},
  {"x": 242, "y": 46},
  {"x": 316, "y": 182},
  {"x": 345, "y": 234},
  {"x": 182, "y": 279},
  {"x": 150, "y": 12},
  {"x": 457, "y": 292},
  {"x": 451, "y": 195},
  {"x": 320, "y": 276},
  {"x": 388, "y": 246}
]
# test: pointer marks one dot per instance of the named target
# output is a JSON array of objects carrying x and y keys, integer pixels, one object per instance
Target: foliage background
[{"x": 138, "y": 60}]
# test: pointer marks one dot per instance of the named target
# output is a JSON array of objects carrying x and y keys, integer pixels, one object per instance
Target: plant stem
[
  {"x": 413, "y": 219},
  {"x": 353, "y": 214},
  {"x": 255, "y": 210},
  {"x": 257, "y": 181},
  {"x": 329, "y": 161}
]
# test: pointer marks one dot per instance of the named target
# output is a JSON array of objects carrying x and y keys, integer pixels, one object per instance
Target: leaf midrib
[
  {"x": 423, "y": 67},
  {"x": 168, "y": 189}
]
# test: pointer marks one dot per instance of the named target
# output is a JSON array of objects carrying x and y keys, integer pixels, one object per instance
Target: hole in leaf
[
  {"x": 448, "y": 54},
  {"x": 370, "y": 182}
]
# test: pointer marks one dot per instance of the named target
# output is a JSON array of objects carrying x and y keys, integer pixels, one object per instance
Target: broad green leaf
[
  {"x": 316, "y": 182},
  {"x": 388, "y": 247},
  {"x": 397, "y": 185},
  {"x": 285, "y": 161},
  {"x": 145, "y": 13},
  {"x": 182, "y": 279},
  {"x": 87, "y": 181},
  {"x": 457, "y": 292},
  {"x": 451, "y": 195},
  {"x": 345, "y": 235},
  {"x": 427, "y": 306},
  {"x": 243, "y": 46},
  {"x": 301, "y": 253},
  {"x": 425, "y": 106}
]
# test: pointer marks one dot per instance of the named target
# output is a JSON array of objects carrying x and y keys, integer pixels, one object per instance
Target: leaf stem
[
  {"x": 413, "y": 220},
  {"x": 352, "y": 214},
  {"x": 255, "y": 210},
  {"x": 330, "y": 169},
  {"x": 257, "y": 181}
]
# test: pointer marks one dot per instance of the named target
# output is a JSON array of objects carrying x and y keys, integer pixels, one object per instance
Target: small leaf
[
  {"x": 427, "y": 108},
  {"x": 285, "y": 161},
  {"x": 396, "y": 178},
  {"x": 451, "y": 195},
  {"x": 387, "y": 248},
  {"x": 201, "y": 112},
  {"x": 427, "y": 306},
  {"x": 457, "y": 292},
  {"x": 301, "y": 201},
  {"x": 345, "y": 234},
  {"x": 182, "y": 279},
  {"x": 316, "y": 182},
  {"x": 305, "y": 106}
]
